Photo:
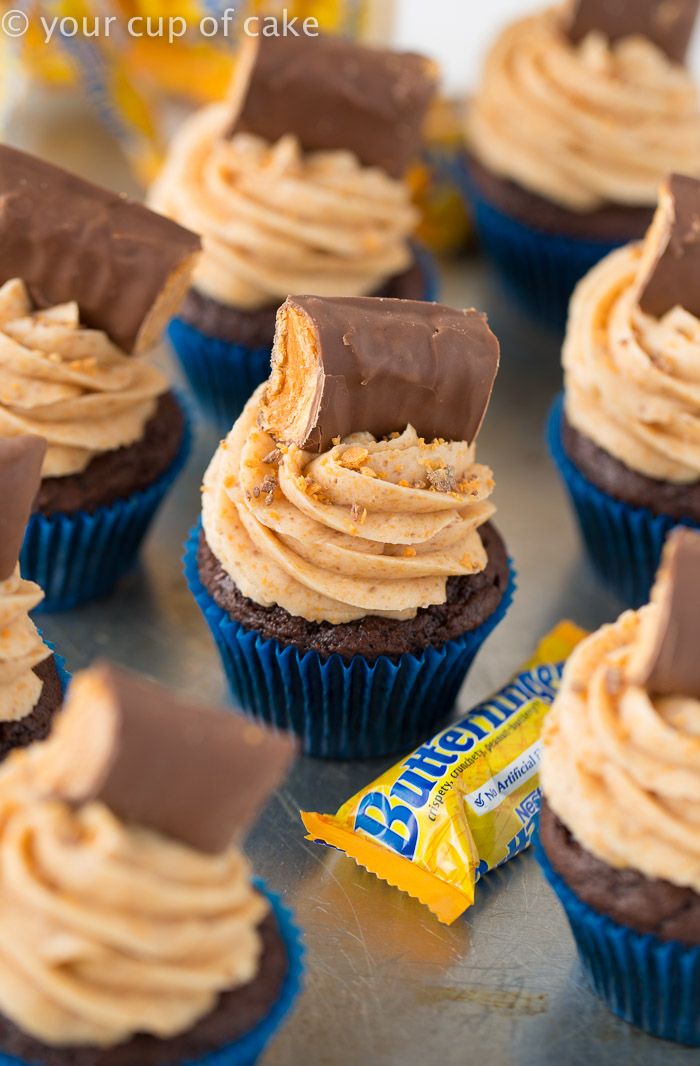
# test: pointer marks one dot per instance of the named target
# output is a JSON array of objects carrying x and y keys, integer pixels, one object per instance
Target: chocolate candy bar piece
[
  {"x": 196, "y": 773},
  {"x": 351, "y": 364},
  {"x": 667, "y": 662},
  {"x": 68, "y": 240},
  {"x": 21, "y": 459},
  {"x": 669, "y": 274},
  {"x": 333, "y": 93},
  {"x": 667, "y": 23}
]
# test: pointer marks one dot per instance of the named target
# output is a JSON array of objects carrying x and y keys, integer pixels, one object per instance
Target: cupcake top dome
[
  {"x": 588, "y": 104},
  {"x": 621, "y": 761},
  {"x": 349, "y": 485},
  {"x": 126, "y": 904}
]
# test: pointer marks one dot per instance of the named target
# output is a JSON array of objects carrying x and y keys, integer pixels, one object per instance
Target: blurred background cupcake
[
  {"x": 618, "y": 835},
  {"x": 581, "y": 111},
  {"x": 626, "y": 435},
  {"x": 171, "y": 951},
  {"x": 348, "y": 571},
  {"x": 87, "y": 281},
  {"x": 296, "y": 184},
  {"x": 32, "y": 677}
]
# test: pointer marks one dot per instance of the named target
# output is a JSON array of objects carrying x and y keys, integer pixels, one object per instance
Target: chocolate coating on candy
[
  {"x": 669, "y": 274},
  {"x": 193, "y": 772},
  {"x": 668, "y": 663},
  {"x": 350, "y": 364},
  {"x": 667, "y": 23},
  {"x": 332, "y": 94},
  {"x": 125, "y": 266},
  {"x": 21, "y": 460}
]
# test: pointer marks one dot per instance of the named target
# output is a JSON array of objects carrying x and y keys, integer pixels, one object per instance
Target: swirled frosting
[
  {"x": 632, "y": 381},
  {"x": 21, "y": 648},
  {"x": 583, "y": 125},
  {"x": 621, "y": 768},
  {"x": 106, "y": 929},
  {"x": 69, "y": 384},
  {"x": 366, "y": 528},
  {"x": 275, "y": 220}
]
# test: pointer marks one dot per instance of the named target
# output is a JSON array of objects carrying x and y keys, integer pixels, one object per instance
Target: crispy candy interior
[{"x": 292, "y": 395}]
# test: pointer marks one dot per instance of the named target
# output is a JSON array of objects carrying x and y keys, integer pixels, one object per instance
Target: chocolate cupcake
[
  {"x": 296, "y": 185},
  {"x": 85, "y": 287},
  {"x": 626, "y": 438},
  {"x": 170, "y": 952},
  {"x": 581, "y": 111},
  {"x": 619, "y": 821},
  {"x": 32, "y": 678},
  {"x": 346, "y": 563}
]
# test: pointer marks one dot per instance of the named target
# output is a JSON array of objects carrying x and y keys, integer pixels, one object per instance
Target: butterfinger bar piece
[
  {"x": 126, "y": 267},
  {"x": 351, "y": 364},
  {"x": 21, "y": 460},
  {"x": 196, "y": 773},
  {"x": 669, "y": 274},
  {"x": 667, "y": 662},
  {"x": 666, "y": 23},
  {"x": 335, "y": 94}
]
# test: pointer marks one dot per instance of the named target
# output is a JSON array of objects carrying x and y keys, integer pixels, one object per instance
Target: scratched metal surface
[{"x": 386, "y": 983}]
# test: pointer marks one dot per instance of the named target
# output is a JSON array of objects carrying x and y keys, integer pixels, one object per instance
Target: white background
[{"x": 457, "y": 32}]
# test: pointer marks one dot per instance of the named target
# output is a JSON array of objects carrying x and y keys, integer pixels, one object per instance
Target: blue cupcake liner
[
  {"x": 76, "y": 557},
  {"x": 539, "y": 269},
  {"x": 651, "y": 983},
  {"x": 623, "y": 542},
  {"x": 340, "y": 709},
  {"x": 223, "y": 375},
  {"x": 247, "y": 1050}
]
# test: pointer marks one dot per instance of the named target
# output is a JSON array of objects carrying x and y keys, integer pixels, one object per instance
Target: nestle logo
[{"x": 529, "y": 807}]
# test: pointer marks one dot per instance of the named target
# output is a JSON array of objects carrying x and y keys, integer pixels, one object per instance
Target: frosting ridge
[
  {"x": 583, "y": 125},
  {"x": 69, "y": 384},
  {"x": 276, "y": 220},
  {"x": 21, "y": 648},
  {"x": 366, "y": 527}
]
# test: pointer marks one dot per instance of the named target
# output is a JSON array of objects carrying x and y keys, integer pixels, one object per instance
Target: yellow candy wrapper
[{"x": 462, "y": 803}]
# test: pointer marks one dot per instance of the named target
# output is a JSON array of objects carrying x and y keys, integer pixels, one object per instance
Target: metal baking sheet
[{"x": 387, "y": 984}]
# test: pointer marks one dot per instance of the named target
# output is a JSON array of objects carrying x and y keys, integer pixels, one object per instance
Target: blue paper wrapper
[
  {"x": 539, "y": 269},
  {"x": 223, "y": 375},
  {"x": 340, "y": 709},
  {"x": 77, "y": 556},
  {"x": 247, "y": 1050},
  {"x": 623, "y": 543},
  {"x": 654, "y": 984}
]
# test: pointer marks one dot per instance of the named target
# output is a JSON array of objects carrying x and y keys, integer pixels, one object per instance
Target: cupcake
[
  {"x": 87, "y": 281},
  {"x": 131, "y": 929},
  {"x": 32, "y": 678},
  {"x": 346, "y": 563},
  {"x": 626, "y": 436},
  {"x": 297, "y": 184},
  {"x": 618, "y": 837},
  {"x": 581, "y": 111}
]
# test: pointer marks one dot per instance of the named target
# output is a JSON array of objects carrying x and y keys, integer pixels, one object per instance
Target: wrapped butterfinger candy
[{"x": 463, "y": 802}]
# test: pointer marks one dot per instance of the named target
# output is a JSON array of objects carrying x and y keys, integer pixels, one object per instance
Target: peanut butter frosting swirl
[
  {"x": 621, "y": 768},
  {"x": 276, "y": 220},
  {"x": 69, "y": 384},
  {"x": 633, "y": 381},
  {"x": 583, "y": 125},
  {"x": 21, "y": 648},
  {"x": 106, "y": 929},
  {"x": 366, "y": 528}
]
